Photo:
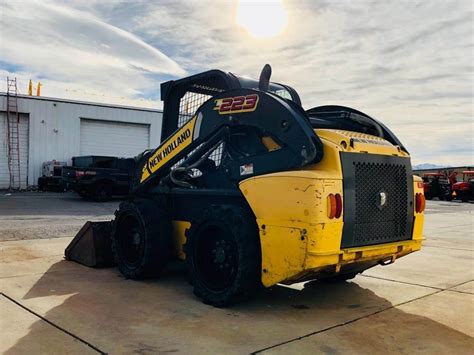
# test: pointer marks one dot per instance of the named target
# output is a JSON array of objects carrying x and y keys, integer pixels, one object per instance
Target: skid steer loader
[{"x": 250, "y": 189}]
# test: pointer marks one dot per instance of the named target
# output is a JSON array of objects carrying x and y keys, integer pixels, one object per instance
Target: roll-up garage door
[
  {"x": 19, "y": 176},
  {"x": 112, "y": 138}
]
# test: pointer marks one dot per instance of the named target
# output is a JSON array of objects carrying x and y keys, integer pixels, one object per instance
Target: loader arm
[{"x": 265, "y": 133}]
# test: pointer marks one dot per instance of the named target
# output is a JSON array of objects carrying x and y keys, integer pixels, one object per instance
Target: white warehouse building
[{"x": 57, "y": 129}]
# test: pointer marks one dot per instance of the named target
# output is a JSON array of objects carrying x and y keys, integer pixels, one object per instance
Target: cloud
[
  {"x": 408, "y": 63},
  {"x": 72, "y": 48}
]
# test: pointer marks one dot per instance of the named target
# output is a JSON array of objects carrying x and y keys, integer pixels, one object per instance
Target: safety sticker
[{"x": 246, "y": 169}]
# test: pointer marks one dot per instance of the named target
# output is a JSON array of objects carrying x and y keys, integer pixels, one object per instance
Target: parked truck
[{"x": 99, "y": 177}]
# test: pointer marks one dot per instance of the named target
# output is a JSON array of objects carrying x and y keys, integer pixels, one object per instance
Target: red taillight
[
  {"x": 338, "y": 206},
  {"x": 334, "y": 206},
  {"x": 420, "y": 203},
  {"x": 79, "y": 173},
  {"x": 331, "y": 206}
]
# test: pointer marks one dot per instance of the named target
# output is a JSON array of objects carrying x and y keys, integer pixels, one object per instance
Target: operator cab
[
  {"x": 183, "y": 97},
  {"x": 284, "y": 91}
]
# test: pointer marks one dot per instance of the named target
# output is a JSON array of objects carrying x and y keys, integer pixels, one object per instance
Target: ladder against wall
[{"x": 13, "y": 135}]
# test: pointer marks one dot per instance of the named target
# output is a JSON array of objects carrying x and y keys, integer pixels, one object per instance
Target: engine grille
[{"x": 378, "y": 199}]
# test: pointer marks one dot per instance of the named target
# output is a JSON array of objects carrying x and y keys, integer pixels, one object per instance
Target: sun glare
[{"x": 262, "y": 18}]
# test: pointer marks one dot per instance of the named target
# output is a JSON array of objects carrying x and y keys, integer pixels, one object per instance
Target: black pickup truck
[{"x": 99, "y": 177}]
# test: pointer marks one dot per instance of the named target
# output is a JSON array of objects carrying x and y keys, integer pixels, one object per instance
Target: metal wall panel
[
  {"x": 113, "y": 138},
  {"x": 23, "y": 145},
  {"x": 54, "y": 126}
]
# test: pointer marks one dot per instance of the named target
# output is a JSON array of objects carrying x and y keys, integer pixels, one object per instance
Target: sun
[{"x": 262, "y": 18}]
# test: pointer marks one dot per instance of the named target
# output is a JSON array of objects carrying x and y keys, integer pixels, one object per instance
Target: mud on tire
[
  {"x": 141, "y": 238},
  {"x": 223, "y": 255}
]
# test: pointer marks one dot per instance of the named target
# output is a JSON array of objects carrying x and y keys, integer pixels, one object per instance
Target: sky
[{"x": 407, "y": 63}]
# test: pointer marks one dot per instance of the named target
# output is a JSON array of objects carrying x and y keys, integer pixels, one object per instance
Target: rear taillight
[
  {"x": 338, "y": 205},
  {"x": 79, "y": 173},
  {"x": 420, "y": 203},
  {"x": 334, "y": 206}
]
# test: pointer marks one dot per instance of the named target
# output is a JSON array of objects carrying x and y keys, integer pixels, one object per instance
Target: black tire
[
  {"x": 41, "y": 184},
  {"x": 141, "y": 238},
  {"x": 83, "y": 194},
  {"x": 223, "y": 255},
  {"x": 340, "y": 278},
  {"x": 465, "y": 197},
  {"x": 103, "y": 192}
]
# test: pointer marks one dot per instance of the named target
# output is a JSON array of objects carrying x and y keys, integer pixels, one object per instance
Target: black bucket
[{"x": 92, "y": 245}]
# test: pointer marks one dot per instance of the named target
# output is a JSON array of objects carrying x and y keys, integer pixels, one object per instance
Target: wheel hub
[
  {"x": 216, "y": 257},
  {"x": 131, "y": 241},
  {"x": 136, "y": 239},
  {"x": 220, "y": 256}
]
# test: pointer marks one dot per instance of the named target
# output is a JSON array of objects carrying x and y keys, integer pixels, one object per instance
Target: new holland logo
[
  {"x": 169, "y": 149},
  {"x": 382, "y": 199}
]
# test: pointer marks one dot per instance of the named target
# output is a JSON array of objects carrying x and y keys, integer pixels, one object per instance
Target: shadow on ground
[{"x": 118, "y": 315}]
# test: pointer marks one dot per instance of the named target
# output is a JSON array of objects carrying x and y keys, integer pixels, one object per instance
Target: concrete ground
[{"x": 422, "y": 303}]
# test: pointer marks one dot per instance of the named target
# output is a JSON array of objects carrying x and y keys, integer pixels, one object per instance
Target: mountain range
[{"x": 429, "y": 166}]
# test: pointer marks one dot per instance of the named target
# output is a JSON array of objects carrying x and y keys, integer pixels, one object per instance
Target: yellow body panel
[
  {"x": 298, "y": 239},
  {"x": 419, "y": 217},
  {"x": 179, "y": 237}
]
